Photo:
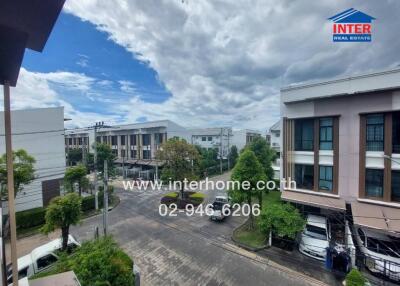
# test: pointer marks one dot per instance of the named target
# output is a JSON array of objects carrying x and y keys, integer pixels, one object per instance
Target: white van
[
  {"x": 315, "y": 237},
  {"x": 382, "y": 252},
  {"x": 40, "y": 259}
]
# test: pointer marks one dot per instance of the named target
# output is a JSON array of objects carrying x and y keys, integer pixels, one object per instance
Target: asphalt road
[{"x": 181, "y": 250}]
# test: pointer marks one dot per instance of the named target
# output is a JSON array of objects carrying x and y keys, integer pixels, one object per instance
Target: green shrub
[
  {"x": 197, "y": 196},
  {"x": 355, "y": 278},
  {"x": 30, "y": 218},
  {"x": 88, "y": 203},
  {"x": 172, "y": 195}
]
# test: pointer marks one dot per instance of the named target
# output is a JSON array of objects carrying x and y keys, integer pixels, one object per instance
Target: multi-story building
[
  {"x": 134, "y": 145},
  {"x": 274, "y": 140},
  {"x": 341, "y": 144},
  {"x": 40, "y": 132},
  {"x": 242, "y": 137},
  {"x": 213, "y": 138}
]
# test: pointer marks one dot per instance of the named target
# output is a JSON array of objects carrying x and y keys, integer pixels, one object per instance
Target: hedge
[{"x": 30, "y": 218}]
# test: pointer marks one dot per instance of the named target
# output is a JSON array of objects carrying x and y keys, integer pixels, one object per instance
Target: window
[
  {"x": 158, "y": 138},
  {"x": 325, "y": 178},
  {"x": 374, "y": 183},
  {"x": 304, "y": 135},
  {"x": 304, "y": 176},
  {"x": 389, "y": 248},
  {"x": 133, "y": 154},
  {"x": 133, "y": 140},
  {"x": 375, "y": 132},
  {"x": 70, "y": 141},
  {"x": 395, "y": 186},
  {"x": 114, "y": 140},
  {"x": 209, "y": 138},
  {"x": 80, "y": 141},
  {"x": 46, "y": 261},
  {"x": 104, "y": 139},
  {"x": 146, "y": 139},
  {"x": 98, "y": 139},
  {"x": 122, "y": 140},
  {"x": 396, "y": 132},
  {"x": 204, "y": 138},
  {"x": 74, "y": 141},
  {"x": 315, "y": 232},
  {"x": 146, "y": 154},
  {"x": 326, "y": 134}
]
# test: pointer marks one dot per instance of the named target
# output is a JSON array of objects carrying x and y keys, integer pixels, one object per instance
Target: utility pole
[
  {"x": 105, "y": 203},
  {"x": 10, "y": 182},
  {"x": 229, "y": 151}
]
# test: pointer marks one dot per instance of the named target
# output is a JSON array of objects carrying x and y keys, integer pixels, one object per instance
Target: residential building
[
  {"x": 40, "y": 132},
  {"x": 242, "y": 137},
  {"x": 213, "y": 138},
  {"x": 274, "y": 140},
  {"x": 134, "y": 145},
  {"x": 341, "y": 144}
]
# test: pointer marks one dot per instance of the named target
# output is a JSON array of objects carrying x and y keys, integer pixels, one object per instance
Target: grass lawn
[{"x": 252, "y": 238}]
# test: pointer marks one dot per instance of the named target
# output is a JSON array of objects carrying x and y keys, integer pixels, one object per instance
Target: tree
[
  {"x": 265, "y": 156},
  {"x": 74, "y": 156},
  {"x": 76, "y": 174},
  {"x": 99, "y": 262},
  {"x": 24, "y": 171},
  {"x": 250, "y": 170},
  {"x": 208, "y": 158},
  {"x": 62, "y": 212},
  {"x": 282, "y": 219},
  {"x": 105, "y": 153},
  {"x": 233, "y": 155},
  {"x": 178, "y": 156}
]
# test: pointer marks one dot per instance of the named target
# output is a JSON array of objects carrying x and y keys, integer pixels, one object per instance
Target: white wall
[{"x": 46, "y": 145}]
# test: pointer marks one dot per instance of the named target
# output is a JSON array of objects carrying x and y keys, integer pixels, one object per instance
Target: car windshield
[
  {"x": 217, "y": 206},
  {"x": 389, "y": 248},
  {"x": 315, "y": 232}
]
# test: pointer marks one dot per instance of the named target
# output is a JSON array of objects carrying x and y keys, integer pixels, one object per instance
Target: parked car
[
  {"x": 315, "y": 237},
  {"x": 40, "y": 259},
  {"x": 222, "y": 199},
  {"x": 217, "y": 211},
  {"x": 382, "y": 253}
]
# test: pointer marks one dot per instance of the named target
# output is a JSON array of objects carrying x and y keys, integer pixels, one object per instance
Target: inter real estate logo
[{"x": 352, "y": 26}]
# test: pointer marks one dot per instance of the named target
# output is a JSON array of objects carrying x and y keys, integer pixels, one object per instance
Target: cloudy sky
[{"x": 196, "y": 62}]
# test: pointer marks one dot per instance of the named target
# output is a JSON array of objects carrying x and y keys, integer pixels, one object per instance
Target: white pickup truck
[
  {"x": 217, "y": 210},
  {"x": 40, "y": 259}
]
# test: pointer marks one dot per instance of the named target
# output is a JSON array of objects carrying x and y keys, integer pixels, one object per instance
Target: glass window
[
  {"x": 315, "y": 232},
  {"x": 304, "y": 135},
  {"x": 374, "y": 183},
  {"x": 104, "y": 139},
  {"x": 133, "y": 140},
  {"x": 158, "y": 138},
  {"x": 122, "y": 139},
  {"x": 209, "y": 138},
  {"x": 146, "y": 154},
  {"x": 304, "y": 176},
  {"x": 146, "y": 139},
  {"x": 114, "y": 140},
  {"x": 133, "y": 154},
  {"x": 70, "y": 141},
  {"x": 396, "y": 132},
  {"x": 325, "y": 178},
  {"x": 326, "y": 134},
  {"x": 375, "y": 132},
  {"x": 46, "y": 261},
  {"x": 204, "y": 138},
  {"x": 396, "y": 186},
  {"x": 98, "y": 139}
]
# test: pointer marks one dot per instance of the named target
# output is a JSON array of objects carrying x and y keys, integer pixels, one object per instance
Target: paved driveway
[{"x": 182, "y": 250}]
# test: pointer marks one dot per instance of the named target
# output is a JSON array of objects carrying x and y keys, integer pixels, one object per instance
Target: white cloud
[{"x": 224, "y": 61}]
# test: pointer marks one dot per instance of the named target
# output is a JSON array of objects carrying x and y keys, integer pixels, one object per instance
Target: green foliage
[
  {"x": 171, "y": 195},
  {"x": 282, "y": 219},
  {"x": 197, "y": 196},
  {"x": 74, "y": 156},
  {"x": 248, "y": 170},
  {"x": 30, "y": 218},
  {"x": 24, "y": 171},
  {"x": 178, "y": 156},
  {"x": 61, "y": 213},
  {"x": 355, "y": 278},
  {"x": 104, "y": 153},
  {"x": 264, "y": 154},
  {"x": 99, "y": 262},
  {"x": 207, "y": 160},
  {"x": 76, "y": 174},
  {"x": 233, "y": 155}
]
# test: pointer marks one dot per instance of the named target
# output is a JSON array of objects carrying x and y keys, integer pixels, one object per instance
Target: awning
[
  {"x": 316, "y": 200},
  {"x": 152, "y": 163},
  {"x": 376, "y": 217}
]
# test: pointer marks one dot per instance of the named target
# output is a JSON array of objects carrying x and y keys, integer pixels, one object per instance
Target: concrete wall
[{"x": 46, "y": 145}]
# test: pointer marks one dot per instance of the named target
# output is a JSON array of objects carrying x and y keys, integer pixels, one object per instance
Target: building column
[{"x": 387, "y": 173}]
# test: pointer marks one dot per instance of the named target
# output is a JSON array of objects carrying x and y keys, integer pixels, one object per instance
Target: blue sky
[
  {"x": 199, "y": 63},
  {"x": 77, "y": 46}
]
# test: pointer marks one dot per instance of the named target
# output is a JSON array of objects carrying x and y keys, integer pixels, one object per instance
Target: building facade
[
  {"x": 273, "y": 138},
  {"x": 341, "y": 144},
  {"x": 40, "y": 132},
  {"x": 213, "y": 138},
  {"x": 242, "y": 137}
]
